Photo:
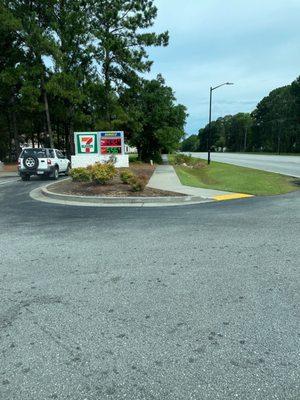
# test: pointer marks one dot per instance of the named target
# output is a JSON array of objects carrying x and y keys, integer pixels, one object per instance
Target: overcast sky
[{"x": 255, "y": 44}]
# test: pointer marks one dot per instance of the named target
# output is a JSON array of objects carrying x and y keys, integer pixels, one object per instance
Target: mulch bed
[
  {"x": 10, "y": 167},
  {"x": 113, "y": 189}
]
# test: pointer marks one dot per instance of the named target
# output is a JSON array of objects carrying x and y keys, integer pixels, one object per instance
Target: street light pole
[
  {"x": 209, "y": 124},
  {"x": 209, "y": 127}
]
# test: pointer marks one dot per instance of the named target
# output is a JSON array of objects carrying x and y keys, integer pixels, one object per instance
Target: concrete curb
[
  {"x": 232, "y": 196},
  {"x": 43, "y": 194}
]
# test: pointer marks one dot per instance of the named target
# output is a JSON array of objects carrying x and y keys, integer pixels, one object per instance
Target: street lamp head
[{"x": 223, "y": 84}]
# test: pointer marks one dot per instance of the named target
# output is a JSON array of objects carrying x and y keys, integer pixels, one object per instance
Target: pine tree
[{"x": 121, "y": 30}]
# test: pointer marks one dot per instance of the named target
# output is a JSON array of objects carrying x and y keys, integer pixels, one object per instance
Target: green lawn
[{"x": 235, "y": 179}]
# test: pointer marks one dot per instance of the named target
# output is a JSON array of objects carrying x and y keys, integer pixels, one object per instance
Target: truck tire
[
  {"x": 31, "y": 162},
  {"x": 55, "y": 174}
]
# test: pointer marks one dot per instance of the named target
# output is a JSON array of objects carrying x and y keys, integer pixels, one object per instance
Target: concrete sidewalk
[{"x": 165, "y": 178}]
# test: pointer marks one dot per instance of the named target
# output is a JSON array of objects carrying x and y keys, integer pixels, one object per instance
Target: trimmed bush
[
  {"x": 103, "y": 173},
  {"x": 126, "y": 175},
  {"x": 138, "y": 183},
  {"x": 81, "y": 175}
]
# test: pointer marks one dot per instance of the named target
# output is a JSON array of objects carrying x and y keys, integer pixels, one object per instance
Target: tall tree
[
  {"x": 120, "y": 27},
  {"x": 11, "y": 56},
  {"x": 158, "y": 121},
  {"x": 72, "y": 64},
  {"x": 276, "y": 121},
  {"x": 38, "y": 41},
  {"x": 191, "y": 143}
]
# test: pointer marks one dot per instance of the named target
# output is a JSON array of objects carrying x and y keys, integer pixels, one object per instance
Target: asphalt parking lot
[{"x": 176, "y": 303}]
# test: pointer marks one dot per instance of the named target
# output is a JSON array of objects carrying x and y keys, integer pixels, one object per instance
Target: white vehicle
[{"x": 42, "y": 162}]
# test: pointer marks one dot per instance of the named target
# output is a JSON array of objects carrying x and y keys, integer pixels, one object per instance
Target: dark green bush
[{"x": 81, "y": 175}]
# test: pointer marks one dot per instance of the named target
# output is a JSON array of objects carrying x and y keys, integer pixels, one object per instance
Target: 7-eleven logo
[{"x": 87, "y": 144}]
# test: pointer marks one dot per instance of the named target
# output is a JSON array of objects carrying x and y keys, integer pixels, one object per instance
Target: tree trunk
[
  {"x": 48, "y": 120},
  {"x": 15, "y": 127},
  {"x": 10, "y": 135},
  {"x": 71, "y": 145},
  {"x": 107, "y": 85},
  {"x": 245, "y": 138},
  {"x": 58, "y": 136}
]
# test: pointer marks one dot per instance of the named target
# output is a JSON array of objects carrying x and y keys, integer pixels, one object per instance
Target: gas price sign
[{"x": 111, "y": 142}]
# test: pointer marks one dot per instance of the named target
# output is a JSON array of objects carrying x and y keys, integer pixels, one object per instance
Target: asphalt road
[
  {"x": 286, "y": 165},
  {"x": 177, "y": 303}
]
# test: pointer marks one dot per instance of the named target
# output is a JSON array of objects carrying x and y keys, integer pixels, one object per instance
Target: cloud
[{"x": 253, "y": 44}]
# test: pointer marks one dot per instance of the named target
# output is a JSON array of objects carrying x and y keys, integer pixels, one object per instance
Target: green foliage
[
  {"x": 97, "y": 173},
  {"x": 169, "y": 138},
  {"x": 274, "y": 126},
  {"x": 95, "y": 51},
  {"x": 81, "y": 174},
  {"x": 276, "y": 121},
  {"x": 190, "y": 144},
  {"x": 157, "y": 120},
  {"x": 232, "y": 132},
  {"x": 102, "y": 173},
  {"x": 126, "y": 175},
  {"x": 119, "y": 27},
  {"x": 133, "y": 158},
  {"x": 138, "y": 183}
]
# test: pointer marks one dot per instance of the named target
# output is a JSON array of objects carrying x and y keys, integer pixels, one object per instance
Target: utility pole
[
  {"x": 245, "y": 138},
  {"x": 209, "y": 124},
  {"x": 209, "y": 128}
]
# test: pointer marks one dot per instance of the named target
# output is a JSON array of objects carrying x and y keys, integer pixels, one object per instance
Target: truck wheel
[
  {"x": 55, "y": 174},
  {"x": 31, "y": 162}
]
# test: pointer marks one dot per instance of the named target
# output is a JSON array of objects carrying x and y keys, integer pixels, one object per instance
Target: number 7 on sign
[{"x": 88, "y": 143}]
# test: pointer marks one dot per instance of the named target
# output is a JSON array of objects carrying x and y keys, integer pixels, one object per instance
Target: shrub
[
  {"x": 180, "y": 159},
  {"x": 102, "y": 173},
  {"x": 126, "y": 175},
  {"x": 156, "y": 158},
  {"x": 138, "y": 183},
  {"x": 133, "y": 158},
  {"x": 81, "y": 174}
]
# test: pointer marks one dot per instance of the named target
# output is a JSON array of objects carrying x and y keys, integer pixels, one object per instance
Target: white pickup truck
[{"x": 42, "y": 162}]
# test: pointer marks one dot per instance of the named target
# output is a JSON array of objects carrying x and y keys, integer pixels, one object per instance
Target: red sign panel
[{"x": 111, "y": 142}]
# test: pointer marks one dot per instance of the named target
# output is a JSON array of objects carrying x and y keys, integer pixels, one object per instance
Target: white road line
[{"x": 2, "y": 183}]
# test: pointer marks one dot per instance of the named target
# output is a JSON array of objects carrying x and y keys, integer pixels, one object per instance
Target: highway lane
[
  {"x": 286, "y": 165},
  {"x": 173, "y": 303}
]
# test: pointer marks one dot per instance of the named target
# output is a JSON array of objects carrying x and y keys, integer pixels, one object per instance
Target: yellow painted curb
[{"x": 232, "y": 196}]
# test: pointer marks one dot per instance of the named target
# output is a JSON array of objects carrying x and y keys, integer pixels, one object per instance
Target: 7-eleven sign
[{"x": 87, "y": 143}]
